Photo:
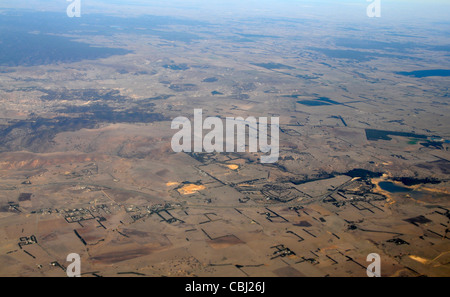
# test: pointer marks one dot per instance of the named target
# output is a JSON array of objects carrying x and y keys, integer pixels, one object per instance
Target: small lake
[
  {"x": 393, "y": 188},
  {"x": 427, "y": 73}
]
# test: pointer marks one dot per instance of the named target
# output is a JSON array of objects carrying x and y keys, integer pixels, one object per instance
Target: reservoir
[
  {"x": 427, "y": 73},
  {"x": 393, "y": 188}
]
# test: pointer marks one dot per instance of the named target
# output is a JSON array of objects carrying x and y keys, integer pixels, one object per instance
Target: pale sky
[{"x": 438, "y": 10}]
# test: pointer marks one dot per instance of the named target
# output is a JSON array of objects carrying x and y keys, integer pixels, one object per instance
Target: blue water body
[
  {"x": 427, "y": 73},
  {"x": 30, "y": 38},
  {"x": 25, "y": 49},
  {"x": 375, "y": 135},
  {"x": 393, "y": 188}
]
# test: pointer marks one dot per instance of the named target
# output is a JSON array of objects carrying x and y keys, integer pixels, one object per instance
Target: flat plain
[{"x": 86, "y": 164}]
